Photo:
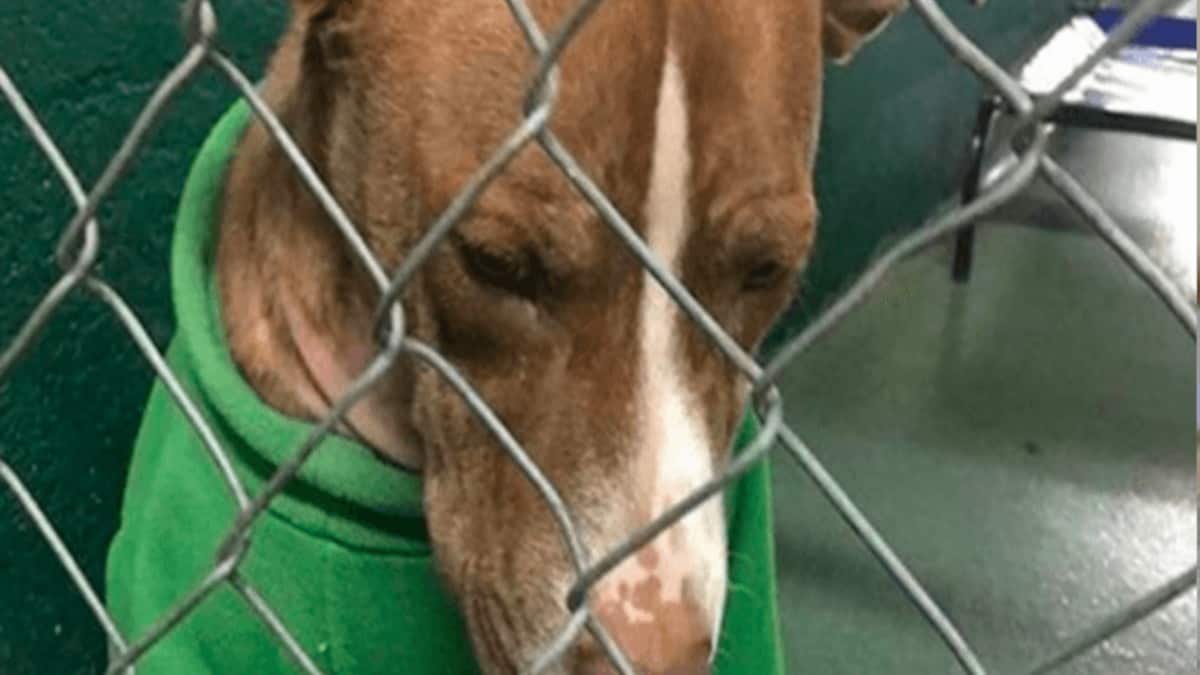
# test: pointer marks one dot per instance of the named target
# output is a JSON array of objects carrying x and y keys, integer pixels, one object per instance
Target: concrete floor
[{"x": 1025, "y": 442}]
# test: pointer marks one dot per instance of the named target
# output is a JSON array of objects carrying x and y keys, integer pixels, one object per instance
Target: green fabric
[{"x": 342, "y": 555}]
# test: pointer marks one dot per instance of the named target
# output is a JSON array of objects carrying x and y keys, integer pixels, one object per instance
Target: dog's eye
[
  {"x": 764, "y": 275},
  {"x": 516, "y": 272}
]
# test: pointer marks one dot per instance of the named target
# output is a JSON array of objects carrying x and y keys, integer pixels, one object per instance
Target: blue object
[{"x": 1165, "y": 31}]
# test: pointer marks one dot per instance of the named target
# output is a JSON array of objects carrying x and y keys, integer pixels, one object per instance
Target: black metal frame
[
  {"x": 1074, "y": 115},
  {"x": 964, "y": 243}
]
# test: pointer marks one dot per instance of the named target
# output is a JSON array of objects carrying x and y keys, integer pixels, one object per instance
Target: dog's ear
[
  {"x": 848, "y": 24},
  {"x": 326, "y": 26},
  {"x": 307, "y": 9}
]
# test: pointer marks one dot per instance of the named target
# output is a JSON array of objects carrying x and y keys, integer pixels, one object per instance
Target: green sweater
[{"x": 342, "y": 555}]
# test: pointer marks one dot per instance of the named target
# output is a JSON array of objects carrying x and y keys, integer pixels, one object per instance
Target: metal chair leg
[{"x": 964, "y": 243}]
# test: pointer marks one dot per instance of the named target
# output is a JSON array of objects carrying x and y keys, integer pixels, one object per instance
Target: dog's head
[{"x": 698, "y": 119}]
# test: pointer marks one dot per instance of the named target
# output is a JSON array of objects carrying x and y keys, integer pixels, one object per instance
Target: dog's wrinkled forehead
[
  {"x": 449, "y": 81},
  {"x": 603, "y": 111},
  {"x": 448, "y": 84}
]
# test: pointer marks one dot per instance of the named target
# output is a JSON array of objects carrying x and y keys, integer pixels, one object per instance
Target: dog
[{"x": 699, "y": 119}]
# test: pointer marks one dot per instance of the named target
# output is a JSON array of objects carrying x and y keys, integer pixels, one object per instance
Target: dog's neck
[{"x": 301, "y": 342}]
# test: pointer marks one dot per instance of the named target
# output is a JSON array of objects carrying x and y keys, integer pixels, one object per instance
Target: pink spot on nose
[{"x": 651, "y": 611}]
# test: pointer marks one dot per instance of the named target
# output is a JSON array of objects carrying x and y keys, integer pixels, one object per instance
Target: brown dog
[{"x": 698, "y": 118}]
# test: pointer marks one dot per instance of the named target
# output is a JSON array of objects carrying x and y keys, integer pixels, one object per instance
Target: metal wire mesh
[{"x": 80, "y": 243}]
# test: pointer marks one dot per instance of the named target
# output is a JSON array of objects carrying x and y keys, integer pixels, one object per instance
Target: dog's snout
[
  {"x": 658, "y": 612},
  {"x": 691, "y": 656}
]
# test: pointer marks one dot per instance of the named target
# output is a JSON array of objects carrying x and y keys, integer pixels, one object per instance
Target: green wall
[
  {"x": 895, "y": 132},
  {"x": 70, "y": 409}
]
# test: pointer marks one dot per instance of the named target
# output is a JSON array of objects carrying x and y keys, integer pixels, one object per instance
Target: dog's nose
[
  {"x": 661, "y": 630},
  {"x": 689, "y": 658}
]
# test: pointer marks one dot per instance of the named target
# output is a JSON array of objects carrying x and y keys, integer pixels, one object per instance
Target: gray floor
[{"x": 1024, "y": 441}]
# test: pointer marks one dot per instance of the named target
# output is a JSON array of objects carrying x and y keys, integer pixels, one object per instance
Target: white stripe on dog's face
[{"x": 686, "y": 566}]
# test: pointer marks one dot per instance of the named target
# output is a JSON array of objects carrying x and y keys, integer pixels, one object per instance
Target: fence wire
[{"x": 80, "y": 243}]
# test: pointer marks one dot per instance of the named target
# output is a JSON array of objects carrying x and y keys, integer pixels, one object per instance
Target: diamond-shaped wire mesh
[{"x": 80, "y": 243}]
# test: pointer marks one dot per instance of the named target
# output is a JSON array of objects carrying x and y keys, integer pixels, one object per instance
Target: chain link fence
[{"x": 80, "y": 244}]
